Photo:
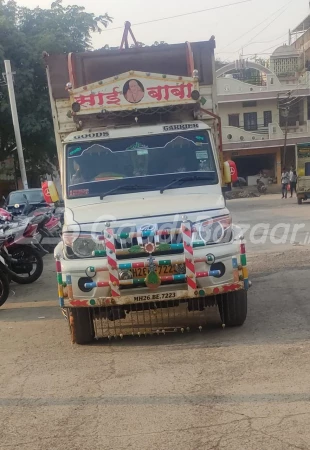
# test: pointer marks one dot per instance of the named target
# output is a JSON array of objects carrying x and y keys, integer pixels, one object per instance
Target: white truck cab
[{"x": 148, "y": 242}]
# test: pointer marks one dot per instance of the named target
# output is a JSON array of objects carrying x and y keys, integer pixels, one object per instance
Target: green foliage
[{"x": 24, "y": 34}]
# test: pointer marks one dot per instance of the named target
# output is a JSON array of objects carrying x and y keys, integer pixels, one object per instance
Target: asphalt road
[
  {"x": 272, "y": 224},
  {"x": 232, "y": 389}
]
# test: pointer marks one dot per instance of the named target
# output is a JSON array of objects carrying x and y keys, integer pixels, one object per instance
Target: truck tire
[
  {"x": 299, "y": 200},
  {"x": 81, "y": 325},
  {"x": 233, "y": 308}
]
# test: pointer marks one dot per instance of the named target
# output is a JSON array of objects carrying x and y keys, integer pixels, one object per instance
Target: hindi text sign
[{"x": 131, "y": 91}]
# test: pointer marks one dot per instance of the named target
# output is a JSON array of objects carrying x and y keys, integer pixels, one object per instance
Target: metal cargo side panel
[
  {"x": 59, "y": 75},
  {"x": 90, "y": 67},
  {"x": 66, "y": 124},
  {"x": 303, "y": 184},
  {"x": 95, "y": 66}
]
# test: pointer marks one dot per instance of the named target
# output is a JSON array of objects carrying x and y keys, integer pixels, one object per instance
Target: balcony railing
[
  {"x": 258, "y": 129},
  {"x": 262, "y": 133},
  {"x": 256, "y": 80}
]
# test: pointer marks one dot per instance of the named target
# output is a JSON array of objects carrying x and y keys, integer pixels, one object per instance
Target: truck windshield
[{"x": 146, "y": 162}]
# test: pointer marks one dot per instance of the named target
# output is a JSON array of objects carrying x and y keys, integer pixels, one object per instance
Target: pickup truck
[{"x": 148, "y": 241}]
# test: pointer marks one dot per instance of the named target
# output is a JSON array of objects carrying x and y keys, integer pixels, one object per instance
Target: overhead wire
[
  {"x": 292, "y": 103},
  {"x": 270, "y": 23},
  {"x": 182, "y": 15},
  {"x": 295, "y": 99},
  {"x": 273, "y": 46},
  {"x": 253, "y": 28},
  {"x": 265, "y": 51},
  {"x": 258, "y": 53},
  {"x": 262, "y": 52}
]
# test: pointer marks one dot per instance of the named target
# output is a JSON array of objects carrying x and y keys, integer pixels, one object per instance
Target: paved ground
[
  {"x": 234, "y": 389},
  {"x": 269, "y": 219}
]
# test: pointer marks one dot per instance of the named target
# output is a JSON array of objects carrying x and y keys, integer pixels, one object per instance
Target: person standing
[
  {"x": 285, "y": 179},
  {"x": 293, "y": 182},
  {"x": 291, "y": 172}
]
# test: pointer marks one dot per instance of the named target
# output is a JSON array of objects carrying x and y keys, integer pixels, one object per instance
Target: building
[
  {"x": 285, "y": 62},
  {"x": 265, "y": 112},
  {"x": 299, "y": 40}
]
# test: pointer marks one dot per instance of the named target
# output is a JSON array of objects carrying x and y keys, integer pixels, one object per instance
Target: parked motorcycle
[
  {"x": 4, "y": 282},
  {"x": 20, "y": 251},
  {"x": 50, "y": 228},
  {"x": 261, "y": 186}
]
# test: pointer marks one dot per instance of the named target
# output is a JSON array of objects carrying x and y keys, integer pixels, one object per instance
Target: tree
[{"x": 24, "y": 34}]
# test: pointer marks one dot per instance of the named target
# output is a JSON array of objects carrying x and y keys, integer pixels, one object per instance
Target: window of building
[
  {"x": 285, "y": 66},
  {"x": 250, "y": 104},
  {"x": 233, "y": 120},
  {"x": 250, "y": 121},
  {"x": 267, "y": 118}
]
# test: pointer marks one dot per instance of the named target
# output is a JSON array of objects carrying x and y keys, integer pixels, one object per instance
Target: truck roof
[{"x": 89, "y": 67}]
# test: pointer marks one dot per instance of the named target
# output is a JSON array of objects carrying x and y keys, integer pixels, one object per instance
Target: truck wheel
[
  {"x": 81, "y": 325},
  {"x": 233, "y": 308},
  {"x": 299, "y": 200}
]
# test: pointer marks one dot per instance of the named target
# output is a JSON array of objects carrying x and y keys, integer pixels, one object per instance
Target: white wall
[
  {"x": 236, "y": 108},
  {"x": 231, "y": 86}
]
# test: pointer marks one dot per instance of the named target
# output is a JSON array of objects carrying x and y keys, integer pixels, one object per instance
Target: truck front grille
[{"x": 161, "y": 242}]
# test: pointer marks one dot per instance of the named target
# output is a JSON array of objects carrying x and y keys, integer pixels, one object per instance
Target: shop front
[{"x": 255, "y": 163}]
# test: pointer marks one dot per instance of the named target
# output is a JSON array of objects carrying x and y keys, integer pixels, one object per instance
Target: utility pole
[
  {"x": 285, "y": 112},
  {"x": 10, "y": 83}
]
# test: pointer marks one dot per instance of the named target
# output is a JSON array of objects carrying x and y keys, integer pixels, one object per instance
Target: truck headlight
[
  {"x": 214, "y": 231},
  {"x": 82, "y": 246}
]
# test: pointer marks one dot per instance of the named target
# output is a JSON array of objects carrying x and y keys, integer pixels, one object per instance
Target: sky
[{"x": 252, "y": 27}]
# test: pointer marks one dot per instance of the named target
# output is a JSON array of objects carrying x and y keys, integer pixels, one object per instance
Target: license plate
[
  {"x": 141, "y": 272},
  {"x": 157, "y": 296}
]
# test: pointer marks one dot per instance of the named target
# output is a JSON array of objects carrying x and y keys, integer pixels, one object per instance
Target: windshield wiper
[
  {"x": 183, "y": 180},
  {"x": 127, "y": 187}
]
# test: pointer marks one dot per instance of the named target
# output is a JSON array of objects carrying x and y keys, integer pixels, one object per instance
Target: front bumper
[{"x": 70, "y": 272}]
